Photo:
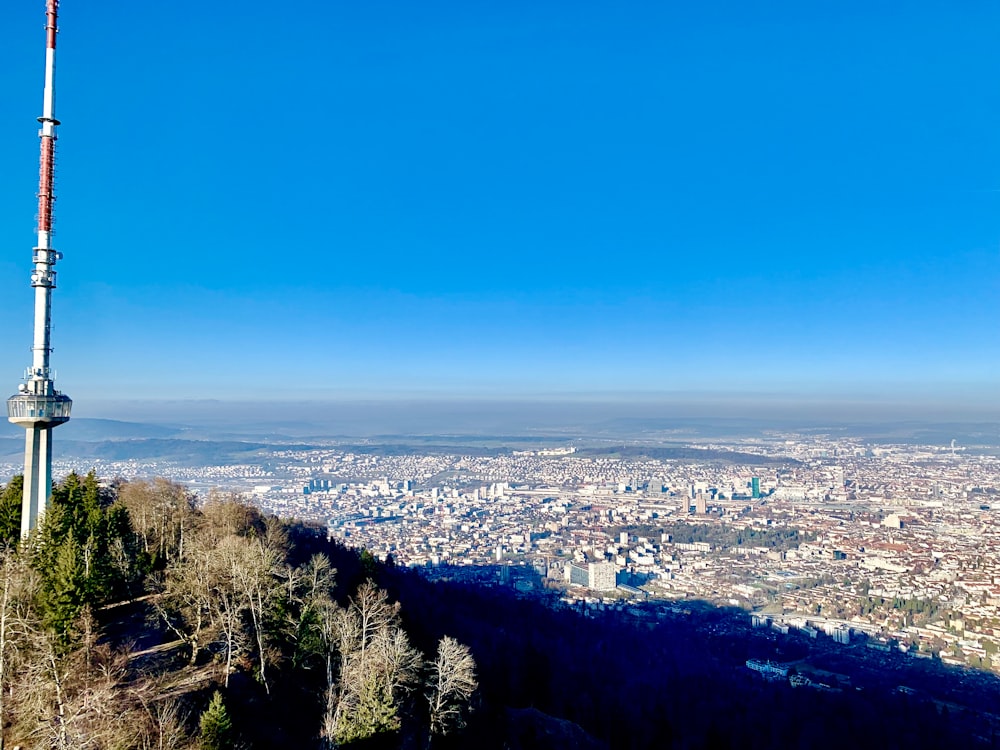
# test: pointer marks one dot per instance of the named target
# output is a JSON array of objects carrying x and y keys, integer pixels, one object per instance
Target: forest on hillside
[{"x": 135, "y": 617}]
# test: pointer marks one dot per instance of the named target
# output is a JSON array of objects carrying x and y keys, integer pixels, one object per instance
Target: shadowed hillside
[{"x": 133, "y": 618}]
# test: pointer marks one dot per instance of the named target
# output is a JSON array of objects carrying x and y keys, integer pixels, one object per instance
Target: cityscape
[{"x": 835, "y": 537}]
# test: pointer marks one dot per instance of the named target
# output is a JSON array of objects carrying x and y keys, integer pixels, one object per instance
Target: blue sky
[{"x": 511, "y": 198}]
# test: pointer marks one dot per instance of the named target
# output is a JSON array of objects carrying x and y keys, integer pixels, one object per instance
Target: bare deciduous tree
[
  {"x": 452, "y": 683},
  {"x": 185, "y": 604},
  {"x": 19, "y": 587},
  {"x": 161, "y": 512},
  {"x": 327, "y": 624},
  {"x": 225, "y": 515},
  {"x": 163, "y": 728},
  {"x": 75, "y": 699},
  {"x": 255, "y": 573},
  {"x": 377, "y": 665},
  {"x": 317, "y": 578}
]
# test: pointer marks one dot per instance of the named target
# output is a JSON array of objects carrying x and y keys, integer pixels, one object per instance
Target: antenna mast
[{"x": 38, "y": 406}]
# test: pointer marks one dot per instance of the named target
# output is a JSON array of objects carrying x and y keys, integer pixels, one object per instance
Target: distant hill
[
  {"x": 89, "y": 430},
  {"x": 115, "y": 440},
  {"x": 189, "y": 452},
  {"x": 12, "y": 446},
  {"x": 686, "y": 453}
]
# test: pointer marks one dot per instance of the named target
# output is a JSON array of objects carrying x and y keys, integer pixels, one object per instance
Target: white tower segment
[{"x": 38, "y": 406}]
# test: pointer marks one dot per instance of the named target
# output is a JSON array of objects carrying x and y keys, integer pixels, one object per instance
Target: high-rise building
[
  {"x": 38, "y": 406},
  {"x": 599, "y": 576},
  {"x": 602, "y": 576}
]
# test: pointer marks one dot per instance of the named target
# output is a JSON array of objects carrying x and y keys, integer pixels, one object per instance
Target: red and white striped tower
[{"x": 38, "y": 406}]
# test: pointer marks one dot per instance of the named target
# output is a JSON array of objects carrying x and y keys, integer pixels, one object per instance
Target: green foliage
[
  {"x": 64, "y": 588},
  {"x": 374, "y": 714},
  {"x": 229, "y": 576},
  {"x": 10, "y": 511},
  {"x": 369, "y": 564},
  {"x": 84, "y": 552},
  {"x": 216, "y": 726}
]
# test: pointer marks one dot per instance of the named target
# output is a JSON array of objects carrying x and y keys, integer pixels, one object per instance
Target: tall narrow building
[{"x": 38, "y": 406}]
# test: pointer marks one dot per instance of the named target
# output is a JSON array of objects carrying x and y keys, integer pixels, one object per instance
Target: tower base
[{"x": 37, "y": 476}]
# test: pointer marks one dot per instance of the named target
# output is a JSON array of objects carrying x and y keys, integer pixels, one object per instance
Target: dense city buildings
[{"x": 894, "y": 544}]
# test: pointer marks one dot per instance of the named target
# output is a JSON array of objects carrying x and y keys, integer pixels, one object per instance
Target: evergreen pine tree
[
  {"x": 64, "y": 588},
  {"x": 10, "y": 511},
  {"x": 373, "y": 713},
  {"x": 369, "y": 564},
  {"x": 216, "y": 726}
]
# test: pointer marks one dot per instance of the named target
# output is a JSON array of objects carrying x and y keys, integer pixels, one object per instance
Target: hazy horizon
[{"x": 430, "y": 415}]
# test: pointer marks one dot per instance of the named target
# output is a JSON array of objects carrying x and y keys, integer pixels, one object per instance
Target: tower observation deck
[{"x": 38, "y": 406}]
